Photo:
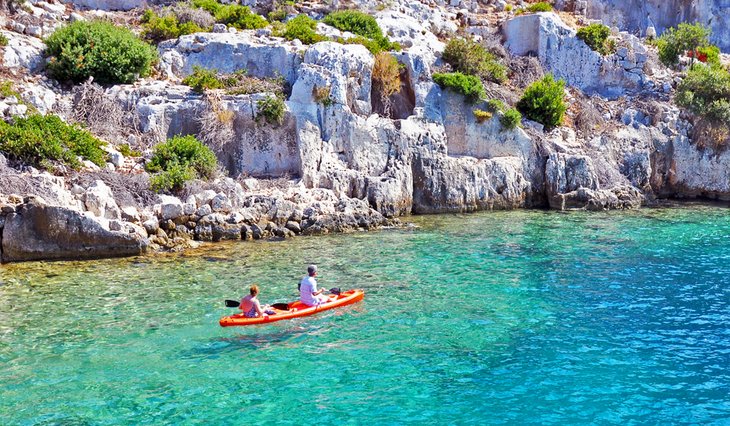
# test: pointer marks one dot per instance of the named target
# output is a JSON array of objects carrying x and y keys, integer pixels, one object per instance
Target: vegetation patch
[
  {"x": 180, "y": 159},
  {"x": 98, "y": 49},
  {"x": 158, "y": 28},
  {"x": 233, "y": 15},
  {"x": 543, "y": 101},
  {"x": 481, "y": 116},
  {"x": 41, "y": 140},
  {"x": 468, "y": 85},
  {"x": 541, "y": 6},
  {"x": 271, "y": 109},
  {"x": 596, "y": 36},
  {"x": 680, "y": 40},
  {"x": 237, "y": 83},
  {"x": 705, "y": 92},
  {"x": 322, "y": 96},
  {"x": 469, "y": 57},
  {"x": 363, "y": 25},
  {"x": 509, "y": 118},
  {"x": 386, "y": 78},
  {"x": 303, "y": 28},
  {"x": 3, "y": 40}
]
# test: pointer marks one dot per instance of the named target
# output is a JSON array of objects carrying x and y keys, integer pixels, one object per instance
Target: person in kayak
[
  {"x": 308, "y": 293},
  {"x": 251, "y": 306}
]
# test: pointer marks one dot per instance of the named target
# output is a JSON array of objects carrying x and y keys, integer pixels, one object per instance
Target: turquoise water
[{"x": 523, "y": 317}]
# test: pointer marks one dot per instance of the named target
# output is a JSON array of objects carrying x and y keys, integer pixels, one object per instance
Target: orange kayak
[{"x": 296, "y": 309}]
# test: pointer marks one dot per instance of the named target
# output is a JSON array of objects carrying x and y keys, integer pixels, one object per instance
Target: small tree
[
  {"x": 684, "y": 38},
  {"x": 543, "y": 101},
  {"x": 386, "y": 78},
  {"x": 468, "y": 85},
  {"x": 596, "y": 37}
]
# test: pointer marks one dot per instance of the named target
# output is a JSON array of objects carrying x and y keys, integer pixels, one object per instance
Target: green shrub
[
  {"x": 705, "y": 91},
  {"x": 127, "y": 151},
  {"x": 541, "y": 6},
  {"x": 676, "y": 41},
  {"x": 3, "y": 40},
  {"x": 543, "y": 101},
  {"x": 356, "y": 22},
  {"x": 179, "y": 160},
  {"x": 271, "y": 108},
  {"x": 109, "y": 53},
  {"x": 240, "y": 17},
  {"x": 233, "y": 15},
  {"x": 40, "y": 140},
  {"x": 510, "y": 119},
  {"x": 596, "y": 37},
  {"x": 468, "y": 85},
  {"x": 469, "y": 57},
  {"x": 303, "y": 27},
  {"x": 157, "y": 28},
  {"x": 363, "y": 25},
  {"x": 278, "y": 14},
  {"x": 203, "y": 79}
]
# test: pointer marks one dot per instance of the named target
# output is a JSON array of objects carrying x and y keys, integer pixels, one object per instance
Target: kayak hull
[{"x": 296, "y": 310}]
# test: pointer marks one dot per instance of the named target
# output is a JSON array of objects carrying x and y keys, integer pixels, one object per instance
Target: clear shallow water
[{"x": 495, "y": 318}]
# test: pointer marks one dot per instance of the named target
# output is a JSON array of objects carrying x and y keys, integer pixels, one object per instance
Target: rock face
[
  {"x": 567, "y": 57},
  {"x": 38, "y": 231},
  {"x": 638, "y": 15},
  {"x": 230, "y": 52}
]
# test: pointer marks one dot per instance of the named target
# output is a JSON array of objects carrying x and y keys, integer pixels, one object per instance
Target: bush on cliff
[
  {"x": 596, "y": 37},
  {"x": 158, "y": 28},
  {"x": 705, "y": 92},
  {"x": 180, "y": 159},
  {"x": 40, "y": 140},
  {"x": 509, "y": 118},
  {"x": 302, "y": 27},
  {"x": 271, "y": 109},
  {"x": 543, "y": 101},
  {"x": 364, "y": 26},
  {"x": 468, "y": 85},
  {"x": 469, "y": 57},
  {"x": 541, "y": 6},
  {"x": 98, "y": 49},
  {"x": 233, "y": 15},
  {"x": 237, "y": 83},
  {"x": 3, "y": 40},
  {"x": 682, "y": 39}
]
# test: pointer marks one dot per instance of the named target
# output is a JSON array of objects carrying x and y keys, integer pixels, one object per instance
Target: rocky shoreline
[{"x": 346, "y": 162}]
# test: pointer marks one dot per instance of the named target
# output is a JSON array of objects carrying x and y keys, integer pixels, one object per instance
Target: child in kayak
[{"x": 251, "y": 306}]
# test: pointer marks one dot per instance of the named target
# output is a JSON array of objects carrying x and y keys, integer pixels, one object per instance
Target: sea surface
[{"x": 525, "y": 317}]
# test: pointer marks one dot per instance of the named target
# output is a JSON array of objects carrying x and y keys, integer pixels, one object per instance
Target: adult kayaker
[
  {"x": 308, "y": 293},
  {"x": 251, "y": 306}
]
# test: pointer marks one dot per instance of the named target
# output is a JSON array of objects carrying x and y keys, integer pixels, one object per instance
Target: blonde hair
[{"x": 254, "y": 290}]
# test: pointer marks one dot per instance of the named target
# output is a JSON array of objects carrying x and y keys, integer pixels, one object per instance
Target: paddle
[{"x": 279, "y": 306}]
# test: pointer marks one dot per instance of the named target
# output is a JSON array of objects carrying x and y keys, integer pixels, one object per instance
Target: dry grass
[
  {"x": 216, "y": 124},
  {"x": 525, "y": 70},
  {"x": 386, "y": 79},
  {"x": 128, "y": 189}
]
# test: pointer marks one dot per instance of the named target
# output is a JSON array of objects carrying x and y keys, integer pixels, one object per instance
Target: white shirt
[{"x": 307, "y": 286}]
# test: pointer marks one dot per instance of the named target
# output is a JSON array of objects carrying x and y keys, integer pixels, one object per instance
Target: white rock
[
  {"x": 204, "y": 197},
  {"x": 204, "y": 210},
  {"x": 99, "y": 200},
  {"x": 221, "y": 203}
]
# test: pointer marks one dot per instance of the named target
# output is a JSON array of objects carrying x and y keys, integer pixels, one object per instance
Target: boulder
[
  {"x": 23, "y": 52},
  {"x": 99, "y": 200},
  {"x": 38, "y": 231}
]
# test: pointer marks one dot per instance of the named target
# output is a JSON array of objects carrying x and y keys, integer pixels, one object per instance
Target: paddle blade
[
  {"x": 232, "y": 303},
  {"x": 335, "y": 290},
  {"x": 281, "y": 306}
]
